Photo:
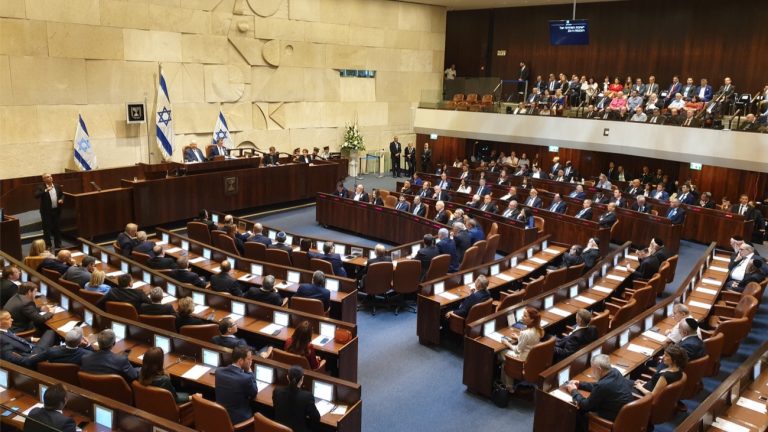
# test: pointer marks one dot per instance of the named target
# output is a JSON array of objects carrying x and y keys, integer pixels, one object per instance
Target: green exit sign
[
  {"x": 554, "y": 149},
  {"x": 695, "y": 166}
]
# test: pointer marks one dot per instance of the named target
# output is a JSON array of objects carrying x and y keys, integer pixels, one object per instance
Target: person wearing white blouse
[
  {"x": 464, "y": 187},
  {"x": 528, "y": 338}
]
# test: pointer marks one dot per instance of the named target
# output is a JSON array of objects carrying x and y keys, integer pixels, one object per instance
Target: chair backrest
[
  {"x": 165, "y": 322},
  {"x": 322, "y": 265},
  {"x": 665, "y": 402},
  {"x": 645, "y": 296},
  {"x": 458, "y": 97},
  {"x": 117, "y": 248},
  {"x": 694, "y": 372},
  {"x": 490, "y": 248},
  {"x": 494, "y": 229},
  {"x": 263, "y": 424},
  {"x": 734, "y": 330},
  {"x": 109, "y": 385},
  {"x": 155, "y": 400},
  {"x": 480, "y": 245},
  {"x": 66, "y": 372},
  {"x": 405, "y": 279},
  {"x": 51, "y": 274},
  {"x": 33, "y": 261},
  {"x": 601, "y": 321},
  {"x": 539, "y": 358},
  {"x": 90, "y": 296},
  {"x": 438, "y": 267},
  {"x": 123, "y": 309},
  {"x": 285, "y": 357},
  {"x": 511, "y": 299},
  {"x": 634, "y": 416},
  {"x": 277, "y": 256},
  {"x": 378, "y": 280},
  {"x": 665, "y": 270},
  {"x": 755, "y": 290},
  {"x": 199, "y": 231},
  {"x": 140, "y": 257},
  {"x": 672, "y": 267},
  {"x": 479, "y": 311},
  {"x": 204, "y": 332},
  {"x": 71, "y": 286},
  {"x": 227, "y": 244},
  {"x": 390, "y": 201},
  {"x": 487, "y": 99},
  {"x": 574, "y": 272},
  {"x": 383, "y": 193},
  {"x": 657, "y": 283},
  {"x": 472, "y": 97},
  {"x": 624, "y": 313},
  {"x": 311, "y": 306},
  {"x": 534, "y": 287},
  {"x": 470, "y": 256},
  {"x": 615, "y": 227},
  {"x": 210, "y": 416},
  {"x": 300, "y": 259},
  {"x": 255, "y": 251},
  {"x": 714, "y": 347},
  {"x": 555, "y": 278},
  {"x": 538, "y": 222},
  {"x": 746, "y": 307}
]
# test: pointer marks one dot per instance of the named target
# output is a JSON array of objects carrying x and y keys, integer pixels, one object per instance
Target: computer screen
[
  {"x": 569, "y": 32},
  {"x": 264, "y": 374},
  {"x": 88, "y": 317},
  {"x": 294, "y": 276},
  {"x": 280, "y": 318},
  {"x": 232, "y": 262},
  {"x": 43, "y": 389},
  {"x": 257, "y": 269},
  {"x": 339, "y": 249},
  {"x": 86, "y": 249},
  {"x": 119, "y": 330},
  {"x": 215, "y": 218},
  {"x": 563, "y": 376},
  {"x": 439, "y": 288},
  {"x": 170, "y": 289},
  {"x": 322, "y": 390},
  {"x": 146, "y": 277},
  {"x": 467, "y": 278},
  {"x": 206, "y": 253},
  {"x": 185, "y": 245},
  {"x": 65, "y": 302},
  {"x": 489, "y": 327},
  {"x": 332, "y": 285},
  {"x": 43, "y": 288},
  {"x": 415, "y": 249},
  {"x": 210, "y": 358},
  {"x": 104, "y": 257},
  {"x": 549, "y": 301},
  {"x": 319, "y": 245},
  {"x": 103, "y": 416},
  {"x": 238, "y": 308},
  {"x": 164, "y": 343},
  {"x": 3, "y": 378},
  {"x": 198, "y": 298},
  {"x": 124, "y": 267},
  {"x": 494, "y": 270},
  {"x": 327, "y": 330}
]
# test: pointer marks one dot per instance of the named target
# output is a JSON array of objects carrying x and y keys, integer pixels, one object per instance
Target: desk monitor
[
  {"x": 339, "y": 249},
  {"x": 544, "y": 245},
  {"x": 3, "y": 378},
  {"x": 489, "y": 327},
  {"x": 146, "y": 277},
  {"x": 294, "y": 276},
  {"x": 88, "y": 317},
  {"x": 396, "y": 254},
  {"x": 170, "y": 288},
  {"x": 232, "y": 262},
  {"x": 563, "y": 376},
  {"x": 44, "y": 288},
  {"x": 415, "y": 249},
  {"x": 624, "y": 338},
  {"x": 64, "y": 302},
  {"x": 319, "y": 245},
  {"x": 25, "y": 277},
  {"x": 164, "y": 343},
  {"x": 43, "y": 389},
  {"x": 206, "y": 253},
  {"x": 573, "y": 291},
  {"x": 371, "y": 254},
  {"x": 616, "y": 260},
  {"x": 211, "y": 358},
  {"x": 332, "y": 285},
  {"x": 119, "y": 329},
  {"x": 648, "y": 322},
  {"x": 238, "y": 308},
  {"x": 495, "y": 269},
  {"x": 529, "y": 253},
  {"x": 467, "y": 278},
  {"x": 322, "y": 390},
  {"x": 519, "y": 314},
  {"x": 513, "y": 262},
  {"x": 591, "y": 280},
  {"x": 438, "y": 288},
  {"x": 670, "y": 309},
  {"x": 86, "y": 249},
  {"x": 104, "y": 257},
  {"x": 166, "y": 238},
  {"x": 596, "y": 352},
  {"x": 124, "y": 267},
  {"x": 327, "y": 330},
  {"x": 549, "y": 301},
  {"x": 288, "y": 239},
  {"x": 265, "y": 374},
  {"x": 103, "y": 416},
  {"x": 257, "y": 269},
  {"x": 756, "y": 370},
  {"x": 185, "y": 245},
  {"x": 215, "y": 218},
  {"x": 280, "y": 318},
  {"x": 198, "y": 298},
  {"x": 272, "y": 234},
  {"x": 356, "y": 251}
]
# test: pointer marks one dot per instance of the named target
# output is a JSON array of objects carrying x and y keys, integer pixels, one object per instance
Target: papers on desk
[
  {"x": 281, "y": 285},
  {"x": 720, "y": 269},
  {"x": 706, "y": 291},
  {"x": 324, "y": 407},
  {"x": 495, "y": 336},
  {"x": 719, "y": 258},
  {"x": 161, "y": 243},
  {"x": 583, "y": 299},
  {"x": 115, "y": 273},
  {"x": 655, "y": 336},
  {"x": 77, "y": 254},
  {"x": 551, "y": 251},
  {"x": 602, "y": 289},
  {"x": 196, "y": 372},
  {"x": 620, "y": 369},
  {"x": 168, "y": 299},
  {"x": 505, "y": 277},
  {"x": 68, "y": 326},
  {"x": 616, "y": 278},
  {"x": 752, "y": 405},
  {"x": 200, "y": 308},
  {"x": 631, "y": 257},
  {"x": 54, "y": 310},
  {"x": 539, "y": 260},
  {"x": 620, "y": 268},
  {"x": 234, "y": 317},
  {"x": 138, "y": 284},
  {"x": 321, "y": 340},
  {"x": 173, "y": 250},
  {"x": 196, "y": 260},
  {"x": 640, "y": 349},
  {"x": 261, "y": 385},
  {"x": 339, "y": 410},
  {"x": 701, "y": 305},
  {"x": 271, "y": 329},
  {"x": 245, "y": 278},
  {"x": 558, "y": 312},
  {"x": 525, "y": 268},
  {"x": 728, "y": 426},
  {"x": 711, "y": 281},
  {"x": 563, "y": 396},
  {"x": 449, "y": 296},
  {"x": 26, "y": 412}
]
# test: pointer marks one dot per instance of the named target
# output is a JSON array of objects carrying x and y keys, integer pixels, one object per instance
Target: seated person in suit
[
  {"x": 224, "y": 282},
  {"x": 193, "y": 154},
  {"x": 381, "y": 256},
  {"x": 648, "y": 265},
  {"x": 618, "y": 199},
  {"x": 690, "y": 340},
  {"x": 606, "y": 396},
  {"x": 656, "y": 247},
  {"x": 488, "y": 204},
  {"x": 528, "y": 338},
  {"x": 482, "y": 189},
  {"x": 156, "y": 307},
  {"x": 581, "y": 335},
  {"x": 60, "y": 264},
  {"x": 236, "y": 385},
  {"x": 512, "y": 210},
  {"x": 591, "y": 253},
  {"x": 679, "y": 313},
  {"x": 186, "y": 308},
  {"x": 578, "y": 193},
  {"x": 74, "y": 349},
  {"x": 464, "y": 187},
  {"x": 81, "y": 274},
  {"x": 426, "y": 190},
  {"x": 686, "y": 196},
  {"x": 558, "y": 205},
  {"x": 316, "y": 290},
  {"x": 271, "y": 158},
  {"x": 18, "y": 350},
  {"x": 533, "y": 199},
  {"x": 676, "y": 360},
  {"x": 280, "y": 243},
  {"x": 586, "y": 210},
  {"x": 376, "y": 198},
  {"x": 227, "y": 338},
  {"x": 526, "y": 217},
  {"x": 510, "y": 195},
  {"x": 753, "y": 273},
  {"x": 9, "y": 283},
  {"x": 126, "y": 240},
  {"x": 360, "y": 194},
  {"x": 26, "y": 314},
  {"x": 219, "y": 149},
  {"x": 426, "y": 253},
  {"x": 706, "y": 200},
  {"x": 204, "y": 217},
  {"x": 660, "y": 193},
  {"x": 258, "y": 235},
  {"x": 475, "y": 231},
  {"x": 266, "y": 293},
  {"x": 442, "y": 215},
  {"x": 333, "y": 258},
  {"x": 461, "y": 238},
  {"x": 295, "y": 407},
  {"x": 50, "y": 416},
  {"x": 124, "y": 292},
  {"x": 96, "y": 284},
  {"x": 231, "y": 231},
  {"x": 676, "y": 214},
  {"x": 439, "y": 194},
  {"x": 153, "y": 374},
  {"x": 458, "y": 216},
  {"x": 104, "y": 361},
  {"x": 183, "y": 274},
  {"x": 640, "y": 205},
  {"x": 573, "y": 256},
  {"x": 341, "y": 191},
  {"x": 406, "y": 189},
  {"x": 300, "y": 343},
  {"x": 475, "y": 202},
  {"x": 446, "y": 245},
  {"x": 479, "y": 294},
  {"x": 143, "y": 245},
  {"x": 160, "y": 261},
  {"x": 418, "y": 208},
  {"x": 608, "y": 218},
  {"x": 402, "y": 204}
]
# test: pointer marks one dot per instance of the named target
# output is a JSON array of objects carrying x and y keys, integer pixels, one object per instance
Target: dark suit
[
  {"x": 315, "y": 292},
  {"x": 489, "y": 207},
  {"x": 78, "y": 275},
  {"x": 193, "y": 154},
  {"x": 560, "y": 207},
  {"x": 228, "y": 341},
  {"x": 63, "y": 354},
  {"x": 53, "y": 264},
  {"x": 584, "y": 214},
  {"x": 219, "y": 151},
  {"x": 128, "y": 295},
  {"x": 661, "y": 254},
  {"x": 395, "y": 150},
  {"x": 259, "y": 295},
  {"x": 8, "y": 289},
  {"x": 607, "y": 219},
  {"x": 590, "y": 258},
  {"x": 343, "y": 193},
  {"x": 25, "y": 313},
  {"x": 483, "y": 191},
  {"x": 271, "y": 159},
  {"x": 156, "y": 309},
  {"x": 607, "y": 396},
  {"x": 749, "y": 212},
  {"x": 420, "y": 210},
  {"x": 260, "y": 238},
  {"x": 574, "y": 341},
  {"x": 533, "y": 202},
  {"x": 709, "y": 204},
  {"x": 443, "y": 196},
  {"x": 41, "y": 417},
  {"x": 578, "y": 195},
  {"x": 570, "y": 260},
  {"x": 162, "y": 263},
  {"x": 295, "y": 409},
  {"x": 20, "y": 351},
  {"x": 645, "y": 208},
  {"x": 620, "y": 202},
  {"x": 425, "y": 255},
  {"x": 707, "y": 95},
  {"x": 50, "y": 214},
  {"x": 336, "y": 262},
  {"x": 145, "y": 247},
  {"x": 686, "y": 198},
  {"x": 126, "y": 243},
  {"x": 688, "y": 91},
  {"x": 511, "y": 214},
  {"x": 677, "y": 216},
  {"x": 448, "y": 246},
  {"x": 471, "y": 300},
  {"x": 403, "y": 206},
  {"x": 647, "y": 267},
  {"x": 463, "y": 242},
  {"x": 694, "y": 346},
  {"x": 182, "y": 321},
  {"x": 362, "y": 198},
  {"x": 224, "y": 282},
  {"x": 187, "y": 276},
  {"x": 107, "y": 362},
  {"x": 235, "y": 390}
]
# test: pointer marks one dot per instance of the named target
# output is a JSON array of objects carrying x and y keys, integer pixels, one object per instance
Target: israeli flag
[
  {"x": 164, "y": 128},
  {"x": 221, "y": 131},
  {"x": 85, "y": 158}
]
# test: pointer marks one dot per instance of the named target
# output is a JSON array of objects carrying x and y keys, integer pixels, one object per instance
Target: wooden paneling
[{"x": 697, "y": 38}]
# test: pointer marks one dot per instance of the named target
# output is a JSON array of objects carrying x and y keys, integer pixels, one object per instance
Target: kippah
[{"x": 692, "y": 323}]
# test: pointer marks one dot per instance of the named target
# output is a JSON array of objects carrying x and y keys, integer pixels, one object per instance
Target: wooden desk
[
  {"x": 90, "y": 214},
  {"x": 10, "y": 236}
]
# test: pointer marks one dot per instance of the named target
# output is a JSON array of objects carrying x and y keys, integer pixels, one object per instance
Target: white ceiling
[{"x": 489, "y": 4}]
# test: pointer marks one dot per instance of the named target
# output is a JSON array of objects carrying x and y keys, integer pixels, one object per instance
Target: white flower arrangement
[{"x": 353, "y": 141}]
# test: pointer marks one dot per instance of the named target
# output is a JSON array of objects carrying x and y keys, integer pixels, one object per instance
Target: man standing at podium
[
  {"x": 51, "y": 199},
  {"x": 395, "y": 149}
]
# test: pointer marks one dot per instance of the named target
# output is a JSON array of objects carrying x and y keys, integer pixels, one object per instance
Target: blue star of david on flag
[
  {"x": 164, "y": 116},
  {"x": 164, "y": 124},
  {"x": 221, "y": 131},
  {"x": 85, "y": 157}
]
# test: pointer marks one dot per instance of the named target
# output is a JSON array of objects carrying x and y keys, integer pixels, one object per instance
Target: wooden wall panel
[
  {"x": 466, "y": 42},
  {"x": 697, "y": 38}
]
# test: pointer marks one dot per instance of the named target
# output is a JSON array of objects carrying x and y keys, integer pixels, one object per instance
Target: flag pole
[{"x": 146, "y": 127}]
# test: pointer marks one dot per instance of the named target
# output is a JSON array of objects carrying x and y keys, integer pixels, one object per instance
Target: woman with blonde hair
[{"x": 97, "y": 282}]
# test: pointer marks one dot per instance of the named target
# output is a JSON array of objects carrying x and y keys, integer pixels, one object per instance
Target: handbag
[
  {"x": 500, "y": 395},
  {"x": 342, "y": 336}
]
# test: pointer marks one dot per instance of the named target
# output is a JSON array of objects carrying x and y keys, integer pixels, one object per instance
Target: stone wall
[{"x": 270, "y": 65}]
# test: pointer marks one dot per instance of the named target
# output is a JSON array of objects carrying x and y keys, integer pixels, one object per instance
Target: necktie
[
  {"x": 554, "y": 206},
  {"x": 507, "y": 213},
  {"x": 641, "y": 209},
  {"x": 688, "y": 121},
  {"x": 20, "y": 340},
  {"x": 672, "y": 213},
  {"x": 742, "y": 210}
]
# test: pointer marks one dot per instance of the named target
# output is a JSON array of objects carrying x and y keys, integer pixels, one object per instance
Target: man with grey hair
[
  {"x": 442, "y": 215},
  {"x": 104, "y": 361},
  {"x": 679, "y": 313},
  {"x": 479, "y": 294},
  {"x": 316, "y": 290},
  {"x": 446, "y": 245},
  {"x": 458, "y": 216},
  {"x": 640, "y": 205},
  {"x": 462, "y": 239},
  {"x": 143, "y": 245},
  {"x": 266, "y": 293},
  {"x": 607, "y": 395},
  {"x": 157, "y": 307},
  {"x": 74, "y": 349}
]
